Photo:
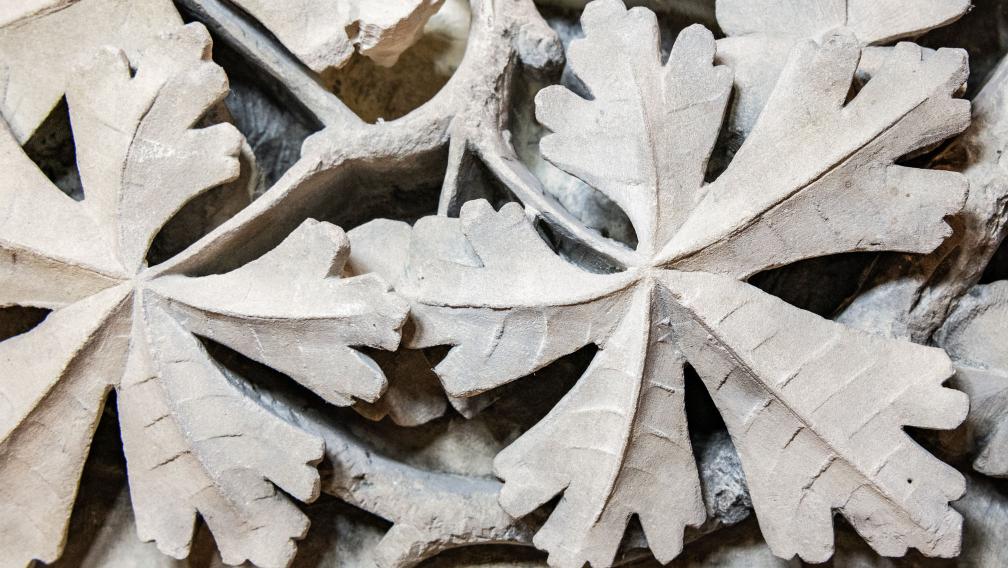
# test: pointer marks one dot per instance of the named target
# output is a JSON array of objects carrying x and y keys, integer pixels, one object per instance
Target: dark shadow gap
[
  {"x": 357, "y": 191},
  {"x": 228, "y": 56},
  {"x": 261, "y": 107},
  {"x": 723, "y": 483},
  {"x": 476, "y": 181},
  {"x": 404, "y": 190},
  {"x": 523, "y": 403},
  {"x": 509, "y": 416},
  {"x": 997, "y": 268},
  {"x": 510, "y": 410},
  {"x": 340, "y": 535},
  {"x": 196, "y": 219},
  {"x": 272, "y": 125},
  {"x": 702, "y": 414},
  {"x": 16, "y": 320},
  {"x": 102, "y": 484},
  {"x": 488, "y": 555},
  {"x": 634, "y": 549},
  {"x": 274, "y": 389},
  {"x": 52, "y": 148},
  {"x": 982, "y": 32},
  {"x": 819, "y": 285},
  {"x": 574, "y": 251}
]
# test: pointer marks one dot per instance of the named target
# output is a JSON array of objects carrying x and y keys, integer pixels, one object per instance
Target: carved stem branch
[
  {"x": 476, "y": 96},
  {"x": 258, "y": 47},
  {"x": 432, "y": 512}
]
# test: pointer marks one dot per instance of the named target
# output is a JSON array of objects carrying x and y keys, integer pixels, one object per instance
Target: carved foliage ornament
[
  {"x": 816, "y": 410},
  {"x": 196, "y": 442}
]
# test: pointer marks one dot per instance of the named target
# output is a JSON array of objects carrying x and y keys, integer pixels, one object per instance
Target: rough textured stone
[
  {"x": 910, "y": 296},
  {"x": 434, "y": 107},
  {"x": 489, "y": 286},
  {"x": 197, "y": 442}
]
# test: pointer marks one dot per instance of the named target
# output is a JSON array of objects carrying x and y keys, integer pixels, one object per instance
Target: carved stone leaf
[
  {"x": 911, "y": 296},
  {"x": 645, "y": 147},
  {"x": 762, "y": 33},
  {"x": 616, "y": 445},
  {"x": 135, "y": 155},
  {"x": 975, "y": 336},
  {"x": 816, "y": 411},
  {"x": 136, "y": 142},
  {"x": 196, "y": 440},
  {"x": 325, "y": 33},
  {"x": 414, "y": 394},
  {"x": 33, "y": 248},
  {"x": 873, "y": 22},
  {"x": 786, "y": 381},
  {"x": 757, "y": 214},
  {"x": 556, "y": 308},
  {"x": 42, "y": 46},
  {"x": 306, "y": 330},
  {"x": 49, "y": 416},
  {"x": 196, "y": 443}
]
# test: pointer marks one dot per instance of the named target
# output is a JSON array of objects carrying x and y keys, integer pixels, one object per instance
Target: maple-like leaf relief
[
  {"x": 873, "y": 22},
  {"x": 40, "y": 49},
  {"x": 761, "y": 33},
  {"x": 816, "y": 410},
  {"x": 196, "y": 441},
  {"x": 974, "y": 336}
]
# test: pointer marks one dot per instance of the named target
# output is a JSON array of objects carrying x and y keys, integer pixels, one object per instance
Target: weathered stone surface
[
  {"x": 762, "y": 33},
  {"x": 487, "y": 284},
  {"x": 975, "y": 336},
  {"x": 196, "y": 441},
  {"x": 351, "y": 169},
  {"x": 324, "y": 34}
]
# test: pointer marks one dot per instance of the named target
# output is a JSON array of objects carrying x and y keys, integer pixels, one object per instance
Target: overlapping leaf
[
  {"x": 40, "y": 49},
  {"x": 975, "y": 337},
  {"x": 196, "y": 441},
  {"x": 761, "y": 34},
  {"x": 816, "y": 177}
]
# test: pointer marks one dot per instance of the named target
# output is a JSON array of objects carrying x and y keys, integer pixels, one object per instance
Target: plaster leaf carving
[
  {"x": 784, "y": 380},
  {"x": 911, "y": 296},
  {"x": 974, "y": 336},
  {"x": 324, "y": 34},
  {"x": 42, "y": 47},
  {"x": 762, "y": 33},
  {"x": 196, "y": 441}
]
